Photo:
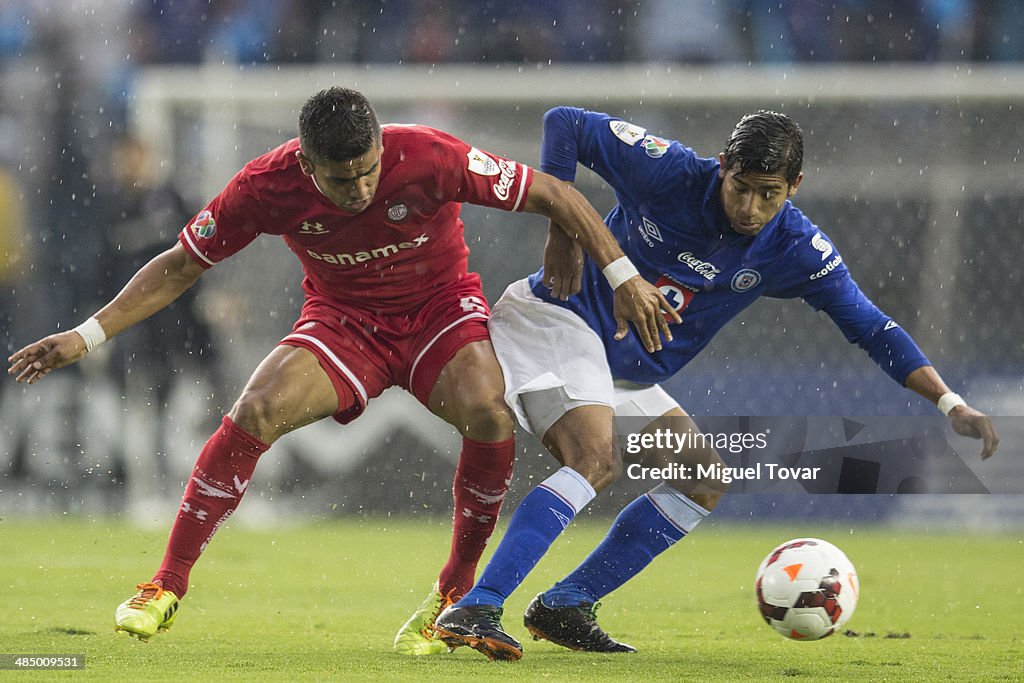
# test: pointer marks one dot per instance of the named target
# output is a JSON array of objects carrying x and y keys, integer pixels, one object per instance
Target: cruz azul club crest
[{"x": 745, "y": 279}]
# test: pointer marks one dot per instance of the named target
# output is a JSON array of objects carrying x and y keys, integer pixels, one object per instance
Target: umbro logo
[
  {"x": 562, "y": 518},
  {"x": 308, "y": 228},
  {"x": 649, "y": 231}
]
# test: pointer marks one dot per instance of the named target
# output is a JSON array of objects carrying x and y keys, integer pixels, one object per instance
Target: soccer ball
[{"x": 806, "y": 589}]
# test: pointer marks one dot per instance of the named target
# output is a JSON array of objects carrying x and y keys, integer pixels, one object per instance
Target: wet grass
[{"x": 322, "y": 602}]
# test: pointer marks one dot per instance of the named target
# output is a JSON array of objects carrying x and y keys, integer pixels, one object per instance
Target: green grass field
[{"x": 322, "y": 602}]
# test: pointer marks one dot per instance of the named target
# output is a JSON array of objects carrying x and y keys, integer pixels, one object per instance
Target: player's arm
[
  {"x": 966, "y": 421},
  {"x": 609, "y": 147},
  {"x": 152, "y": 288},
  {"x": 898, "y": 355},
  {"x": 563, "y": 257},
  {"x": 614, "y": 149},
  {"x": 636, "y": 300},
  {"x": 563, "y": 263}
]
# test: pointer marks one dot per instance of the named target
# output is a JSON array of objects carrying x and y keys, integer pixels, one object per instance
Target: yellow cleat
[
  {"x": 150, "y": 610},
  {"x": 416, "y": 637}
]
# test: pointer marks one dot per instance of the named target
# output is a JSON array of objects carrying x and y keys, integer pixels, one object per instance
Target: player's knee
[
  {"x": 603, "y": 469},
  {"x": 257, "y": 415},
  {"x": 712, "y": 488},
  {"x": 611, "y": 470},
  {"x": 485, "y": 417},
  {"x": 601, "y": 465},
  {"x": 586, "y": 446}
]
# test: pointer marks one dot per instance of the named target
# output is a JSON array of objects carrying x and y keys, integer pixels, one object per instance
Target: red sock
[
  {"x": 214, "y": 490},
  {"x": 481, "y": 481}
]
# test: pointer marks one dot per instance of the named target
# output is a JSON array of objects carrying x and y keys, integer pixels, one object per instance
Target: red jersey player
[{"x": 373, "y": 215}]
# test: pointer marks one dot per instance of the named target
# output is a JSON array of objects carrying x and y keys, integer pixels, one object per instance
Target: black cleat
[
  {"x": 479, "y": 627},
  {"x": 572, "y": 627}
]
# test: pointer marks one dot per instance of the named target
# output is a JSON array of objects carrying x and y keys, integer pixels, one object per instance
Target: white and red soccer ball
[{"x": 806, "y": 589}]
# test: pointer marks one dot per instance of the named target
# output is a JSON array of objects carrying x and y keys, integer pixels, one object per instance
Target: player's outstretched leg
[
  {"x": 478, "y": 627},
  {"x": 645, "y": 528},
  {"x": 573, "y": 627},
  {"x": 475, "y": 620},
  {"x": 150, "y": 610},
  {"x": 481, "y": 480},
  {"x": 216, "y": 485},
  {"x": 416, "y": 637}
]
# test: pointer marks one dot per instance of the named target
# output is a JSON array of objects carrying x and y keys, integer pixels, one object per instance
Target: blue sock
[
  {"x": 644, "y": 529},
  {"x": 540, "y": 517}
]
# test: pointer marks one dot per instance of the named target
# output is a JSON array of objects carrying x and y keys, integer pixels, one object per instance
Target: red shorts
[{"x": 365, "y": 352}]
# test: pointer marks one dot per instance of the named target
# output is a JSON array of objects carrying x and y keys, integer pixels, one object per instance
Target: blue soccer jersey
[{"x": 670, "y": 222}]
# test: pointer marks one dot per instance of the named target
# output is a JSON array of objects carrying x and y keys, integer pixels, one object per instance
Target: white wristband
[
  {"x": 948, "y": 401},
  {"x": 92, "y": 332},
  {"x": 618, "y": 271}
]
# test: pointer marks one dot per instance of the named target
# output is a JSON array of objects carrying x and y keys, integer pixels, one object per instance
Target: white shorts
[{"x": 553, "y": 362}]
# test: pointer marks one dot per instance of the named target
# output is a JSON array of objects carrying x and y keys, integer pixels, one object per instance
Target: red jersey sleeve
[
  {"x": 226, "y": 225},
  {"x": 468, "y": 174}
]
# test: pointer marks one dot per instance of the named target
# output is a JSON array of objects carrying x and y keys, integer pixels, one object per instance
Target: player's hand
[
  {"x": 563, "y": 264},
  {"x": 37, "y": 360},
  {"x": 967, "y": 421},
  {"x": 639, "y": 302}
]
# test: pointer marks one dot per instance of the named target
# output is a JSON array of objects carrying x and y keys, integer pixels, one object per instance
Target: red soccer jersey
[{"x": 393, "y": 254}]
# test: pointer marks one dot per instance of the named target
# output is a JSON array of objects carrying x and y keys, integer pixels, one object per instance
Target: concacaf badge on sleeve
[
  {"x": 627, "y": 132},
  {"x": 481, "y": 163}
]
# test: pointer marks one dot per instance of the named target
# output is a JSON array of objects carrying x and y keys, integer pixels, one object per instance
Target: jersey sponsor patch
[
  {"x": 204, "y": 226},
  {"x": 504, "y": 184},
  {"x": 627, "y": 132},
  {"x": 354, "y": 258},
  {"x": 745, "y": 279},
  {"x": 706, "y": 269},
  {"x": 821, "y": 244},
  {"x": 481, "y": 163},
  {"x": 655, "y": 146},
  {"x": 829, "y": 267},
  {"x": 678, "y": 295}
]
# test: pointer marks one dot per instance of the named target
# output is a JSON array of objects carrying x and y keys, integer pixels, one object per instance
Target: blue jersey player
[{"x": 714, "y": 235}]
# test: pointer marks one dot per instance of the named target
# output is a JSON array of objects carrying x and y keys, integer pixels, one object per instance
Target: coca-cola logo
[
  {"x": 705, "y": 269},
  {"x": 504, "y": 184}
]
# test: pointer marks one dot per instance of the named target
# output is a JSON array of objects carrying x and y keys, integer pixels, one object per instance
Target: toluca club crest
[{"x": 397, "y": 212}]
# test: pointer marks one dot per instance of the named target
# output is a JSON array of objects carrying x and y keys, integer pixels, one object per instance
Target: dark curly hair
[
  {"x": 337, "y": 124},
  {"x": 766, "y": 142}
]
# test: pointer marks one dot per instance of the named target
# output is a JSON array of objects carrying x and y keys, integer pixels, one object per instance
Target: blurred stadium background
[{"x": 912, "y": 117}]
